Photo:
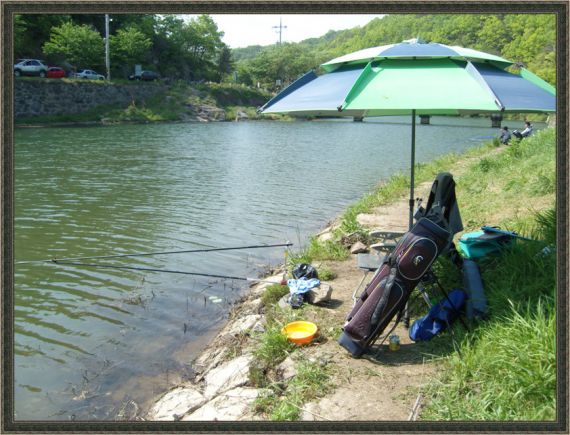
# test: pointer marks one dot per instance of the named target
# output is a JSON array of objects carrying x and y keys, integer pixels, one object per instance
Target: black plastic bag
[{"x": 304, "y": 270}]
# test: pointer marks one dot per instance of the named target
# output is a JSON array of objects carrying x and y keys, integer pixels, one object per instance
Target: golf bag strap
[{"x": 385, "y": 297}]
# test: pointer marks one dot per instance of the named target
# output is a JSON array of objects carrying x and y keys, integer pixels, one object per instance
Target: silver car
[
  {"x": 30, "y": 67},
  {"x": 89, "y": 74}
]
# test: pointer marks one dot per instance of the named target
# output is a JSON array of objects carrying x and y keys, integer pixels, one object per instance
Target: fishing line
[
  {"x": 146, "y": 269},
  {"x": 141, "y": 254}
]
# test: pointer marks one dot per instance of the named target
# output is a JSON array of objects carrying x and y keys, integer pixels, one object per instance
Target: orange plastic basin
[{"x": 300, "y": 332}]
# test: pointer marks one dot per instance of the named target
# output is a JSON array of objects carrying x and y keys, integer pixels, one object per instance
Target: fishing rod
[
  {"x": 141, "y": 254},
  {"x": 147, "y": 269}
]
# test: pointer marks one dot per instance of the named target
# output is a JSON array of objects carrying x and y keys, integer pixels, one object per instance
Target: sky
[{"x": 244, "y": 30}]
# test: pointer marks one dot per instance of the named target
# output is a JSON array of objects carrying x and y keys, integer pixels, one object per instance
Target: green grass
[
  {"x": 326, "y": 274},
  {"x": 273, "y": 347},
  {"x": 507, "y": 371},
  {"x": 317, "y": 251},
  {"x": 506, "y": 368},
  {"x": 515, "y": 181},
  {"x": 284, "y": 403},
  {"x": 273, "y": 293}
]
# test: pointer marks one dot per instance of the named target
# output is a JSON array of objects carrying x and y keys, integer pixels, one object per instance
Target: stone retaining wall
[{"x": 53, "y": 97}]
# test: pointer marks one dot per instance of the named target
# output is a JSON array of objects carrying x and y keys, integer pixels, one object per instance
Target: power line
[{"x": 280, "y": 27}]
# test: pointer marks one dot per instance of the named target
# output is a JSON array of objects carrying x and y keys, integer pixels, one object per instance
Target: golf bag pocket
[
  {"x": 415, "y": 261},
  {"x": 378, "y": 305}
]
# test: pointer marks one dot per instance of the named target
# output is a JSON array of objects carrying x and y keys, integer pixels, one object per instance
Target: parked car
[
  {"x": 55, "y": 72},
  {"x": 30, "y": 67},
  {"x": 89, "y": 74},
  {"x": 146, "y": 76}
]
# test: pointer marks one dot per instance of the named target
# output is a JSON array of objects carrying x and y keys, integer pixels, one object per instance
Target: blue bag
[{"x": 439, "y": 316}]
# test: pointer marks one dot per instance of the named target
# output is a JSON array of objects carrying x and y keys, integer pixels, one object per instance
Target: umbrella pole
[{"x": 411, "y": 221}]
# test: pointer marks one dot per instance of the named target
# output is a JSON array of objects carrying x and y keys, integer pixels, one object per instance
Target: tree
[
  {"x": 81, "y": 46},
  {"x": 128, "y": 47},
  {"x": 225, "y": 62},
  {"x": 31, "y": 31}
]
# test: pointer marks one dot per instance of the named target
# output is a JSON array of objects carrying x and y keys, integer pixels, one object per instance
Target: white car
[
  {"x": 89, "y": 74},
  {"x": 30, "y": 67}
]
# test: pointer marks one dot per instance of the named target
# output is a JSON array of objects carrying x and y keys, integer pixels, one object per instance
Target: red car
[{"x": 55, "y": 72}]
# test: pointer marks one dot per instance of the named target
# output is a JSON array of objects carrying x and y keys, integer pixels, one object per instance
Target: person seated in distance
[
  {"x": 505, "y": 135},
  {"x": 525, "y": 133}
]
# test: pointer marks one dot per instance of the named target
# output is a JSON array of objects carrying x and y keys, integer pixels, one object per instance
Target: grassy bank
[{"x": 505, "y": 368}]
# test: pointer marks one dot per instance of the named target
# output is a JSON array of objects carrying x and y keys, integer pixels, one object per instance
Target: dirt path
[{"x": 384, "y": 384}]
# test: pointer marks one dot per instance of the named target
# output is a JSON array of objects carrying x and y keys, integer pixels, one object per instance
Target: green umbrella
[{"x": 414, "y": 78}]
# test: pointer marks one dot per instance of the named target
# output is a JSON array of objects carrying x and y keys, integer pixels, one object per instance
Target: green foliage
[
  {"x": 507, "y": 366},
  {"x": 194, "y": 49},
  {"x": 273, "y": 347},
  {"x": 285, "y": 62},
  {"x": 273, "y": 293},
  {"x": 526, "y": 38},
  {"x": 507, "y": 373},
  {"x": 82, "y": 46},
  {"x": 129, "y": 47},
  {"x": 326, "y": 274},
  {"x": 31, "y": 31},
  {"x": 310, "y": 382}
]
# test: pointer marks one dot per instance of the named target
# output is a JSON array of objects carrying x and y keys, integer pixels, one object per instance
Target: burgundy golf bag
[{"x": 388, "y": 291}]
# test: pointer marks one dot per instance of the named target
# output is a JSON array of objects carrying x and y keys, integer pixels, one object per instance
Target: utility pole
[
  {"x": 107, "y": 56},
  {"x": 280, "y": 27}
]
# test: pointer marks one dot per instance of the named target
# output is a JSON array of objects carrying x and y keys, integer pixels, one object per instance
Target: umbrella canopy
[{"x": 414, "y": 78}]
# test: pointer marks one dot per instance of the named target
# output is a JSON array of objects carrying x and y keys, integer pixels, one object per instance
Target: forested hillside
[
  {"x": 529, "y": 39},
  {"x": 194, "y": 49}
]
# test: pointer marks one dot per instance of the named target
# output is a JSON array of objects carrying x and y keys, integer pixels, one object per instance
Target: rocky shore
[{"x": 222, "y": 389}]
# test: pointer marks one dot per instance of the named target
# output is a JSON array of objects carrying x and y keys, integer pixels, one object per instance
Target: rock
[
  {"x": 358, "y": 247},
  {"x": 244, "y": 324},
  {"x": 176, "y": 403},
  {"x": 209, "y": 360},
  {"x": 287, "y": 369},
  {"x": 325, "y": 237},
  {"x": 253, "y": 306},
  {"x": 319, "y": 294},
  {"x": 231, "y": 405},
  {"x": 284, "y": 302},
  {"x": 232, "y": 374},
  {"x": 258, "y": 289},
  {"x": 241, "y": 116}
]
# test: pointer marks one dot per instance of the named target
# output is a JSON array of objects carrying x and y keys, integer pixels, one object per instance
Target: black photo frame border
[{"x": 10, "y": 8}]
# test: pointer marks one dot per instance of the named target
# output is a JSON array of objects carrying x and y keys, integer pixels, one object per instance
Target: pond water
[{"x": 93, "y": 343}]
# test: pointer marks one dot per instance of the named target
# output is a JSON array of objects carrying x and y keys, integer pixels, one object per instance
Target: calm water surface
[{"x": 96, "y": 343}]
